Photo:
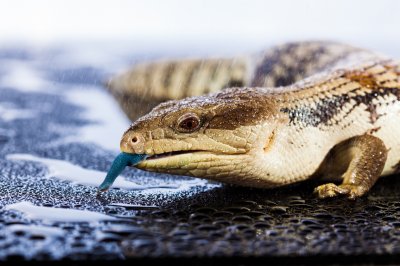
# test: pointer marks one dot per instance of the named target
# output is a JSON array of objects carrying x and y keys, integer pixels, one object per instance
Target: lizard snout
[{"x": 132, "y": 142}]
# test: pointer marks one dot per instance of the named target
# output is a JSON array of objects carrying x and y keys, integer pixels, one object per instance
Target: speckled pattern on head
[{"x": 300, "y": 104}]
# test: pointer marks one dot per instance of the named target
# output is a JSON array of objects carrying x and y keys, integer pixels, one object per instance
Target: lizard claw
[{"x": 331, "y": 190}]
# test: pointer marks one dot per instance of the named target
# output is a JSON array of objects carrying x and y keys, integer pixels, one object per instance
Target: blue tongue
[{"x": 120, "y": 162}]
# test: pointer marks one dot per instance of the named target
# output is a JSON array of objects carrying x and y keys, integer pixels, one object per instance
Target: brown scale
[
  {"x": 366, "y": 80},
  {"x": 329, "y": 107}
]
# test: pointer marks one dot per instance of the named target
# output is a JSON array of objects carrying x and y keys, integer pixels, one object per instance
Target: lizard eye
[{"x": 188, "y": 123}]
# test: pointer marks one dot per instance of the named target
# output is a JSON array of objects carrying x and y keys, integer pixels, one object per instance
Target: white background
[{"x": 203, "y": 25}]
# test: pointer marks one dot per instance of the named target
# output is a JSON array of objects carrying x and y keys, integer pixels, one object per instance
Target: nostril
[{"x": 133, "y": 142}]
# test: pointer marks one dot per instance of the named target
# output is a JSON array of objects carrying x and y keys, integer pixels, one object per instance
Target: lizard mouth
[
  {"x": 170, "y": 154},
  {"x": 176, "y": 160}
]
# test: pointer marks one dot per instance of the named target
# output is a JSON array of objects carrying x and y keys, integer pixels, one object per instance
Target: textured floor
[{"x": 214, "y": 222}]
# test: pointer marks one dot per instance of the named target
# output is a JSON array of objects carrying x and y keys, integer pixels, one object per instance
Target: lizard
[{"x": 301, "y": 111}]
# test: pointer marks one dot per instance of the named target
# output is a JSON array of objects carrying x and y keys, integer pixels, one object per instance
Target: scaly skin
[{"x": 341, "y": 123}]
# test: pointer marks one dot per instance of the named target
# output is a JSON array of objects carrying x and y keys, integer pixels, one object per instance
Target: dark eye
[{"x": 188, "y": 123}]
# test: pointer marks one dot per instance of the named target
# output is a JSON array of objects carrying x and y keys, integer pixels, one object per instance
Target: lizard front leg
[{"x": 364, "y": 156}]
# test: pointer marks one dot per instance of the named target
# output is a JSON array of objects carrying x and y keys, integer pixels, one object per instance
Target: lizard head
[{"x": 216, "y": 136}]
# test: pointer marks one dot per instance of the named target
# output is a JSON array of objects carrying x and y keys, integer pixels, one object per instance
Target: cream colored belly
[
  {"x": 386, "y": 127},
  {"x": 390, "y": 134},
  {"x": 298, "y": 151}
]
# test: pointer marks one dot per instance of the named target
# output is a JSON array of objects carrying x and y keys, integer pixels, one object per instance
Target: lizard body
[{"x": 335, "y": 116}]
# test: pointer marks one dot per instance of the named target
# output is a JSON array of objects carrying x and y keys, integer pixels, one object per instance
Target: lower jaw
[
  {"x": 180, "y": 161},
  {"x": 198, "y": 164}
]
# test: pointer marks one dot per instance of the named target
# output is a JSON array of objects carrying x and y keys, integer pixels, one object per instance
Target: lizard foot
[{"x": 331, "y": 190}]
